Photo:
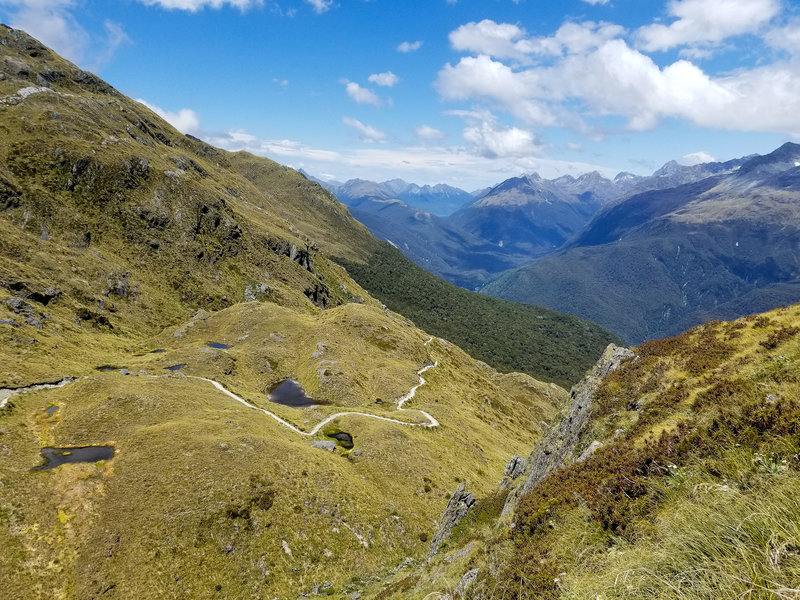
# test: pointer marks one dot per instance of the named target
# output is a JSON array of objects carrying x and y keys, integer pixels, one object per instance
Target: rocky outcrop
[
  {"x": 514, "y": 468},
  {"x": 557, "y": 447},
  {"x": 458, "y": 507},
  {"x": 466, "y": 583}
]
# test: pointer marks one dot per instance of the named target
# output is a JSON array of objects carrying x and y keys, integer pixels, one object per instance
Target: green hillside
[
  {"x": 510, "y": 336},
  {"x": 691, "y": 490}
]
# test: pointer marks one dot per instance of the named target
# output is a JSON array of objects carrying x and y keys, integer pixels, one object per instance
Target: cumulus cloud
[
  {"x": 490, "y": 139},
  {"x": 51, "y": 22},
  {"x": 360, "y": 94},
  {"x": 703, "y": 22},
  {"x": 320, "y": 6},
  {"x": 366, "y": 133},
  {"x": 786, "y": 37},
  {"x": 594, "y": 77},
  {"x": 195, "y": 5},
  {"x": 185, "y": 120},
  {"x": 501, "y": 40},
  {"x": 406, "y": 47},
  {"x": 697, "y": 158},
  {"x": 419, "y": 163},
  {"x": 387, "y": 79},
  {"x": 427, "y": 133}
]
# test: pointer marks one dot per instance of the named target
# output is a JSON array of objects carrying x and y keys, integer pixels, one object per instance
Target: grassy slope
[
  {"x": 150, "y": 240},
  {"x": 692, "y": 495}
]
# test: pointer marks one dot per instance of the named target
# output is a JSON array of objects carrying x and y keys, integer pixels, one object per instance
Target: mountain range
[
  {"x": 472, "y": 239},
  {"x": 655, "y": 263}
]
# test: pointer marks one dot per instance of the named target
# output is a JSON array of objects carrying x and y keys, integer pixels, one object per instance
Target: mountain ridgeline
[{"x": 658, "y": 262}]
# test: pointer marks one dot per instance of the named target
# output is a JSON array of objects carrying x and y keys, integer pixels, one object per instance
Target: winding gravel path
[{"x": 432, "y": 422}]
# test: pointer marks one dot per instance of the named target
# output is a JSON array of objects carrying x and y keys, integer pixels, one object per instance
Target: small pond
[
  {"x": 159, "y": 351},
  {"x": 50, "y": 410},
  {"x": 55, "y": 457},
  {"x": 217, "y": 345},
  {"x": 289, "y": 393},
  {"x": 344, "y": 438},
  {"x": 106, "y": 368},
  {"x": 175, "y": 367}
]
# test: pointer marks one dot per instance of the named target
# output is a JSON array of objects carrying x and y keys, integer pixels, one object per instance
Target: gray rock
[
  {"x": 593, "y": 447},
  {"x": 770, "y": 399},
  {"x": 357, "y": 453},
  {"x": 11, "y": 322},
  {"x": 514, "y": 468},
  {"x": 18, "y": 305},
  {"x": 321, "y": 348},
  {"x": 467, "y": 581},
  {"x": 324, "y": 445},
  {"x": 458, "y": 507},
  {"x": 557, "y": 446}
]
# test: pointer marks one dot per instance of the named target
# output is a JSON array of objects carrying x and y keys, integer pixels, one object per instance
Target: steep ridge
[
  {"x": 681, "y": 480},
  {"x": 669, "y": 259}
]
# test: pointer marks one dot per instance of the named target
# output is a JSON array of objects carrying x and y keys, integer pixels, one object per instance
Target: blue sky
[{"x": 464, "y": 92}]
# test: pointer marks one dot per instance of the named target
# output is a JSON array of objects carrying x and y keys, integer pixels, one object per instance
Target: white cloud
[
  {"x": 704, "y": 22},
  {"x": 587, "y": 83},
  {"x": 697, "y": 158},
  {"x": 428, "y": 134},
  {"x": 195, "y": 5},
  {"x": 360, "y": 94},
  {"x": 490, "y": 139},
  {"x": 185, "y": 120},
  {"x": 786, "y": 38},
  {"x": 366, "y": 133},
  {"x": 51, "y": 23},
  {"x": 596, "y": 1},
  {"x": 406, "y": 47},
  {"x": 501, "y": 40},
  {"x": 321, "y": 6},
  {"x": 386, "y": 79},
  {"x": 422, "y": 164}
]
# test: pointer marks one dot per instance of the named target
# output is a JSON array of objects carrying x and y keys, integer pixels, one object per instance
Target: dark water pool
[
  {"x": 50, "y": 410},
  {"x": 106, "y": 368},
  {"x": 344, "y": 438},
  {"x": 175, "y": 367},
  {"x": 159, "y": 351},
  {"x": 217, "y": 345},
  {"x": 55, "y": 457},
  {"x": 289, "y": 393}
]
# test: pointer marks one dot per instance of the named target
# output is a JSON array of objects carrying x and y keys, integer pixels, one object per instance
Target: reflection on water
[
  {"x": 55, "y": 457},
  {"x": 290, "y": 393}
]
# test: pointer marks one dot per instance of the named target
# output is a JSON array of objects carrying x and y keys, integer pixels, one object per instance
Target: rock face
[
  {"x": 458, "y": 507},
  {"x": 514, "y": 468},
  {"x": 557, "y": 447},
  {"x": 467, "y": 581}
]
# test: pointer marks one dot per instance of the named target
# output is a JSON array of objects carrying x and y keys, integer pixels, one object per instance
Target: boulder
[
  {"x": 324, "y": 445},
  {"x": 514, "y": 468}
]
